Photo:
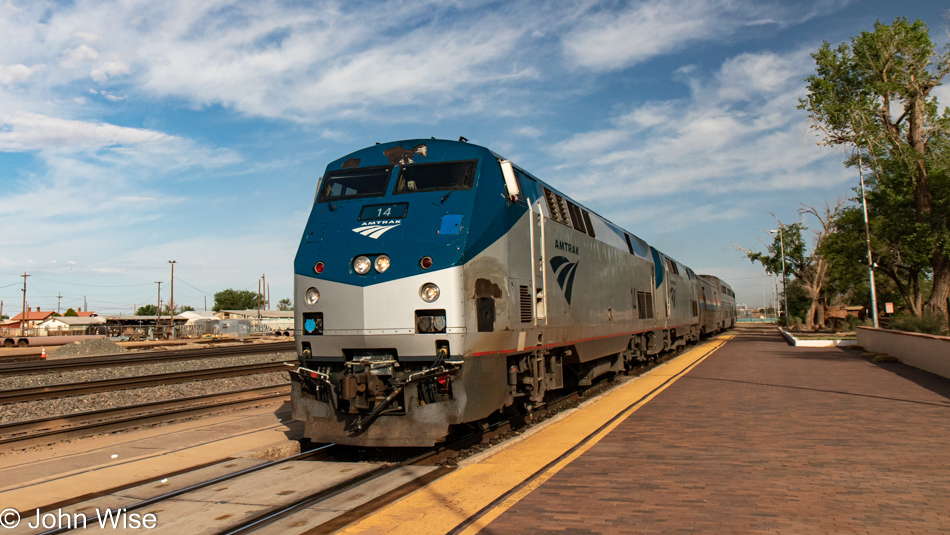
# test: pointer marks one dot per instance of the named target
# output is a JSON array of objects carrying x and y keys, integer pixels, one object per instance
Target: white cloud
[
  {"x": 15, "y": 74},
  {"x": 29, "y": 131},
  {"x": 75, "y": 57},
  {"x": 608, "y": 40},
  {"x": 736, "y": 132},
  {"x": 605, "y": 39},
  {"x": 89, "y": 37},
  {"x": 109, "y": 69}
]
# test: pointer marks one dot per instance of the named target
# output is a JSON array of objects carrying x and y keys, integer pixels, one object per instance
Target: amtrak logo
[
  {"x": 564, "y": 270},
  {"x": 375, "y": 229}
]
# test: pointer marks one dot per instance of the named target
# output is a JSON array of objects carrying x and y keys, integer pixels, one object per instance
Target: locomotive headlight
[
  {"x": 312, "y": 296},
  {"x": 382, "y": 263},
  {"x": 361, "y": 265},
  {"x": 429, "y": 292}
]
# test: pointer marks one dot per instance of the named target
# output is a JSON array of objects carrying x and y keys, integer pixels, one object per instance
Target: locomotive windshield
[
  {"x": 436, "y": 176},
  {"x": 354, "y": 183}
]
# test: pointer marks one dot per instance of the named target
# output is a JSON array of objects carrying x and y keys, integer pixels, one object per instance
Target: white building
[{"x": 68, "y": 325}]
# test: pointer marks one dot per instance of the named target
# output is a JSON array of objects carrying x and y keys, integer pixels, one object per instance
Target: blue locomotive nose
[{"x": 412, "y": 202}]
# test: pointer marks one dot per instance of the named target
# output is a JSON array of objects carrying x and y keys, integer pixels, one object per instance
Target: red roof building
[{"x": 32, "y": 318}]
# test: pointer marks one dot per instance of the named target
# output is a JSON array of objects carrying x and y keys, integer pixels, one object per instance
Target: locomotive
[{"x": 437, "y": 283}]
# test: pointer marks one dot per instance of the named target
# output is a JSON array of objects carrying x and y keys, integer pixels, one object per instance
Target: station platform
[{"x": 742, "y": 434}]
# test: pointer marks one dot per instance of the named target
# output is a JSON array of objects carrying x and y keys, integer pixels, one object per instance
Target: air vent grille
[{"x": 526, "y": 310}]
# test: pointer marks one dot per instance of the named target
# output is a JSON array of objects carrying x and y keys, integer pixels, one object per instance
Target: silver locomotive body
[{"x": 532, "y": 293}]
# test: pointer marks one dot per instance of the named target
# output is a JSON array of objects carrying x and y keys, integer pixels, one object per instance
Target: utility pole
[
  {"x": 59, "y": 299},
  {"x": 781, "y": 237},
  {"x": 258, "y": 298},
  {"x": 158, "y": 304},
  {"x": 171, "y": 306},
  {"x": 23, "y": 317}
]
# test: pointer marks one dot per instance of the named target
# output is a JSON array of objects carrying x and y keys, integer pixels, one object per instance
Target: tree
[
  {"x": 231, "y": 299},
  {"x": 899, "y": 254},
  {"x": 873, "y": 97},
  {"x": 178, "y": 309},
  {"x": 70, "y": 313},
  {"x": 809, "y": 270},
  {"x": 147, "y": 310},
  {"x": 285, "y": 304}
]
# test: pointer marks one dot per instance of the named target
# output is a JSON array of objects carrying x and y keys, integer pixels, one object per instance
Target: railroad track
[
  {"x": 354, "y": 488},
  {"x": 145, "y": 357},
  {"x": 43, "y": 431},
  {"x": 127, "y": 383}
]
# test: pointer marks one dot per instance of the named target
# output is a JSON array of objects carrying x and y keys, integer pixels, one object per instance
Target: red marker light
[
  {"x": 318, "y": 267},
  {"x": 313, "y": 374},
  {"x": 426, "y": 262}
]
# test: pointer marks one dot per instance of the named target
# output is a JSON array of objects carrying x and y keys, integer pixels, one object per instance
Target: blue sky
[{"x": 137, "y": 132}]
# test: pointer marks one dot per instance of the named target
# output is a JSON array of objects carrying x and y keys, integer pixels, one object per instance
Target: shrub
[{"x": 929, "y": 323}]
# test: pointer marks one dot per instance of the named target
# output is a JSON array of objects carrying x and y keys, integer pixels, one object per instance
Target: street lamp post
[
  {"x": 171, "y": 306},
  {"x": 867, "y": 234},
  {"x": 781, "y": 237}
]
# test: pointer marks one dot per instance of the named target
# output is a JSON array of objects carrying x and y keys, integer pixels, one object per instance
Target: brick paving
[{"x": 763, "y": 437}]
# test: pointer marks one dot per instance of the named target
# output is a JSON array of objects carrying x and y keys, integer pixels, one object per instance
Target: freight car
[{"x": 437, "y": 283}]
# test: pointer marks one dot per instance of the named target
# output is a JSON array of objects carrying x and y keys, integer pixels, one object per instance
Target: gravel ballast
[
  {"x": 88, "y": 348},
  {"x": 44, "y": 408},
  {"x": 138, "y": 370},
  {"x": 30, "y": 410}
]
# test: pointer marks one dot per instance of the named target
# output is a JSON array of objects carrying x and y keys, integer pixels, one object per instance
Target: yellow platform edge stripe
[{"x": 464, "y": 500}]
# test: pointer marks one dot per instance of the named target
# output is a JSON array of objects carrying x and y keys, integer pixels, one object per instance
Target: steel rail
[
  {"x": 430, "y": 457},
  {"x": 42, "y": 430},
  {"x": 143, "y": 357},
  {"x": 204, "y": 484},
  {"x": 142, "y": 381}
]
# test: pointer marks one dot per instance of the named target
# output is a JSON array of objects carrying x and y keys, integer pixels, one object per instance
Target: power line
[
  {"x": 97, "y": 285},
  {"x": 193, "y": 286}
]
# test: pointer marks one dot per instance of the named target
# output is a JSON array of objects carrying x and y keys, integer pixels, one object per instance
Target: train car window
[
  {"x": 355, "y": 183},
  {"x": 629, "y": 244},
  {"x": 436, "y": 177}
]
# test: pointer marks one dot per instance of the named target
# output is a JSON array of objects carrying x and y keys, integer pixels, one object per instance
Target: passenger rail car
[{"x": 437, "y": 283}]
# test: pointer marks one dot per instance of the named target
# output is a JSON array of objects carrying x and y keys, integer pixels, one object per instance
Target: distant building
[
  {"x": 68, "y": 325},
  {"x": 195, "y": 315},
  {"x": 272, "y": 320},
  {"x": 32, "y": 318}
]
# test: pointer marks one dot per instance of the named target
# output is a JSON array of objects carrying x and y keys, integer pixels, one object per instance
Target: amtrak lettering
[
  {"x": 375, "y": 229},
  {"x": 564, "y": 246}
]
